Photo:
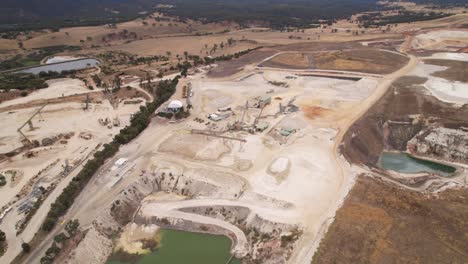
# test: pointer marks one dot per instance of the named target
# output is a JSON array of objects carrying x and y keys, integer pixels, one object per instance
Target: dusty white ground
[
  {"x": 317, "y": 181},
  {"x": 437, "y": 39},
  {"x": 54, "y": 119},
  {"x": 445, "y": 90},
  {"x": 131, "y": 237},
  {"x": 60, "y": 118},
  {"x": 450, "y": 56},
  {"x": 57, "y": 88},
  {"x": 56, "y": 59}
]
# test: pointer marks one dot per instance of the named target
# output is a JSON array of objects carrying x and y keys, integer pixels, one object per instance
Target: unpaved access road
[{"x": 310, "y": 242}]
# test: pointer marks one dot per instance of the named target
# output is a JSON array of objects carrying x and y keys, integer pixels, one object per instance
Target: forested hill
[
  {"x": 88, "y": 12},
  {"x": 15, "y": 14},
  {"x": 70, "y": 11}
]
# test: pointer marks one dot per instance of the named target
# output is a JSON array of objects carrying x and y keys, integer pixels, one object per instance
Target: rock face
[
  {"x": 398, "y": 132},
  {"x": 442, "y": 143},
  {"x": 397, "y": 118}
]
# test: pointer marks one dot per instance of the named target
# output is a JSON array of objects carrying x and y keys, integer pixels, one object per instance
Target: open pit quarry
[
  {"x": 267, "y": 155},
  {"x": 256, "y": 161}
]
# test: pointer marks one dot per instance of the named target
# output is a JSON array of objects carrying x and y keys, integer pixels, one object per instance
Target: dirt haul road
[{"x": 308, "y": 249}]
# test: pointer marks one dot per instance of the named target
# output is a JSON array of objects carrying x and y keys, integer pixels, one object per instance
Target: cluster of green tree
[
  {"x": 3, "y": 244},
  {"x": 97, "y": 80},
  {"x": 197, "y": 60},
  {"x": 183, "y": 67},
  {"x": 124, "y": 34},
  {"x": 3, "y": 180},
  {"x": 28, "y": 81},
  {"x": 34, "y": 57},
  {"x": 21, "y": 81},
  {"x": 376, "y": 20},
  {"x": 209, "y": 60},
  {"x": 59, "y": 242},
  {"x": 148, "y": 59},
  {"x": 10, "y": 35},
  {"x": 443, "y": 3},
  {"x": 122, "y": 58},
  {"x": 138, "y": 123}
]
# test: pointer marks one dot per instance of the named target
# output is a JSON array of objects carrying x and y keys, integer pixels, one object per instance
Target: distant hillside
[
  {"x": 276, "y": 12},
  {"x": 79, "y": 12},
  {"x": 17, "y": 14},
  {"x": 70, "y": 12}
]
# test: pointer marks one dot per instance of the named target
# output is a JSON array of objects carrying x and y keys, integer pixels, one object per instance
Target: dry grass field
[
  {"x": 196, "y": 45},
  {"x": 291, "y": 60},
  {"x": 381, "y": 223},
  {"x": 8, "y": 45},
  {"x": 135, "y": 30},
  {"x": 371, "y": 61}
]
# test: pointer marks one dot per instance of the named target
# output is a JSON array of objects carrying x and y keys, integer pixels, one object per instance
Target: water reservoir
[
  {"x": 404, "y": 163},
  {"x": 62, "y": 66},
  {"x": 180, "y": 247}
]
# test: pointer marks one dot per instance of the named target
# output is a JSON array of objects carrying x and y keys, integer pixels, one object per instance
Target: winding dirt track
[{"x": 307, "y": 247}]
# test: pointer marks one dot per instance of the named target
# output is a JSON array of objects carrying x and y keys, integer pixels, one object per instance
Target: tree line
[{"x": 28, "y": 81}]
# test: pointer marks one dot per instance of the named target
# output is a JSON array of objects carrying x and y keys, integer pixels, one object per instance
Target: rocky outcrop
[
  {"x": 396, "y": 118},
  {"x": 398, "y": 132},
  {"x": 441, "y": 143}
]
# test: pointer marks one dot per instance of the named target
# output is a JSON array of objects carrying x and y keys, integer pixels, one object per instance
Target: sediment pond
[
  {"x": 405, "y": 163},
  {"x": 78, "y": 64},
  {"x": 179, "y": 247}
]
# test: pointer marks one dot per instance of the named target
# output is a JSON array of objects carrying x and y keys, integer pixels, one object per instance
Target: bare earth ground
[
  {"x": 228, "y": 68},
  {"x": 78, "y": 133},
  {"x": 360, "y": 60}
]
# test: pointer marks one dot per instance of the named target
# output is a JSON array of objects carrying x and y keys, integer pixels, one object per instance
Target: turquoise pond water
[
  {"x": 179, "y": 247},
  {"x": 404, "y": 163}
]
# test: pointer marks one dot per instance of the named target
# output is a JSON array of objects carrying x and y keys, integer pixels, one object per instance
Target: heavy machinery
[{"x": 29, "y": 122}]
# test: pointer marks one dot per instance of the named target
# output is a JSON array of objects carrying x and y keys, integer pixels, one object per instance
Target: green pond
[
  {"x": 179, "y": 247},
  {"x": 404, "y": 163}
]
